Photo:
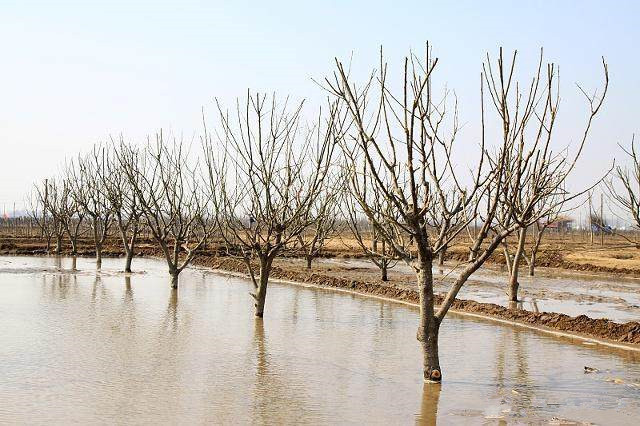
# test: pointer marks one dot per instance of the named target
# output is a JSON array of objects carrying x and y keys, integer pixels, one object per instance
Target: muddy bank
[{"x": 599, "y": 328}]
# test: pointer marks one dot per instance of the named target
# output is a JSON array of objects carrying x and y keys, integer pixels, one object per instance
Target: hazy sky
[{"x": 71, "y": 73}]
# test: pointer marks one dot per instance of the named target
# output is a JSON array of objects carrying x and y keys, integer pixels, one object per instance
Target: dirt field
[{"x": 571, "y": 251}]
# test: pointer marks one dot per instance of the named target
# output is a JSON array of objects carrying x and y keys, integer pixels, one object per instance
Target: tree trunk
[
  {"x": 513, "y": 281},
  {"x": 532, "y": 263},
  {"x": 174, "y": 273},
  {"x": 74, "y": 262},
  {"x": 429, "y": 325},
  {"x": 261, "y": 294},
  {"x": 127, "y": 262},
  {"x": 383, "y": 271},
  {"x": 99, "y": 256},
  {"x": 129, "y": 245},
  {"x": 58, "y": 244},
  {"x": 441, "y": 256},
  {"x": 309, "y": 260}
]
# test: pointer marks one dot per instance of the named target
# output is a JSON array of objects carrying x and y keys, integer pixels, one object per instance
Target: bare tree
[
  {"x": 399, "y": 144},
  {"x": 39, "y": 211},
  {"x": 86, "y": 190},
  {"x": 539, "y": 229},
  {"x": 534, "y": 173},
  {"x": 370, "y": 241},
  {"x": 397, "y": 148},
  {"x": 624, "y": 187},
  {"x": 169, "y": 193},
  {"x": 56, "y": 198},
  {"x": 72, "y": 216},
  {"x": 267, "y": 180},
  {"x": 325, "y": 220},
  {"x": 537, "y": 232},
  {"x": 122, "y": 198}
]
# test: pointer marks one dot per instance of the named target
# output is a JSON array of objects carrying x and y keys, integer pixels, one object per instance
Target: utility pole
[
  {"x": 590, "y": 220},
  {"x": 602, "y": 221}
]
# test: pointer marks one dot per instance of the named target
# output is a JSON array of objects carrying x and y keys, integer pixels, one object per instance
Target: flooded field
[
  {"x": 551, "y": 290},
  {"x": 102, "y": 347}
]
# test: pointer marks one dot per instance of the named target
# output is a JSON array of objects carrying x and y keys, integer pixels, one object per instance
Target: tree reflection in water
[{"x": 429, "y": 404}]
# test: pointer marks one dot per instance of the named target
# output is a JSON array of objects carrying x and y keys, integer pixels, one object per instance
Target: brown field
[{"x": 571, "y": 251}]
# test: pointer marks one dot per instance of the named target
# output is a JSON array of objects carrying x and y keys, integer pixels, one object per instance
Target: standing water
[{"x": 81, "y": 346}]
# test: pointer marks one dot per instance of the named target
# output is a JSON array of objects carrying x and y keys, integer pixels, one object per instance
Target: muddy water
[
  {"x": 571, "y": 293},
  {"x": 93, "y": 347}
]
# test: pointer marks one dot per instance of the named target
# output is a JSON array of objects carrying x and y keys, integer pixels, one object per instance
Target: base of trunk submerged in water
[
  {"x": 128, "y": 260},
  {"x": 174, "y": 280},
  {"x": 261, "y": 298},
  {"x": 429, "y": 325},
  {"x": 261, "y": 292},
  {"x": 431, "y": 362}
]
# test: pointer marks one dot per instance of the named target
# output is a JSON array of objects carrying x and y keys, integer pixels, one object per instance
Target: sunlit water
[{"x": 91, "y": 347}]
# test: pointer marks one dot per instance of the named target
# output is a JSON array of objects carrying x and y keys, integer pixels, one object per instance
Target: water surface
[{"x": 102, "y": 347}]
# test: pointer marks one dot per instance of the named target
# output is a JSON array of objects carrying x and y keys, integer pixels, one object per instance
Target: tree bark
[
  {"x": 261, "y": 293},
  {"x": 532, "y": 264},
  {"x": 127, "y": 262},
  {"x": 429, "y": 324},
  {"x": 442, "y": 255},
  {"x": 174, "y": 273},
  {"x": 513, "y": 280},
  {"x": 58, "y": 244},
  {"x": 99, "y": 256},
  {"x": 309, "y": 260},
  {"x": 383, "y": 271}
]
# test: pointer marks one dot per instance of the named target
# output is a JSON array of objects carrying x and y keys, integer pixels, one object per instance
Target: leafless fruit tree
[
  {"x": 539, "y": 229},
  {"x": 534, "y": 171},
  {"x": 400, "y": 144},
  {"x": 624, "y": 186},
  {"x": 325, "y": 225},
  {"x": 56, "y": 213},
  {"x": 168, "y": 189},
  {"x": 86, "y": 190},
  {"x": 122, "y": 197},
  {"x": 363, "y": 230},
  {"x": 398, "y": 149},
  {"x": 267, "y": 171},
  {"x": 72, "y": 216},
  {"x": 39, "y": 211}
]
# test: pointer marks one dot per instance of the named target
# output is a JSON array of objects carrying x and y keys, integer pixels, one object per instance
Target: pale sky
[{"x": 74, "y": 72}]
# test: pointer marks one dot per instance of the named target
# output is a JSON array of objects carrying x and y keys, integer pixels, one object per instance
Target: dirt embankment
[
  {"x": 600, "y": 328},
  {"x": 618, "y": 259}
]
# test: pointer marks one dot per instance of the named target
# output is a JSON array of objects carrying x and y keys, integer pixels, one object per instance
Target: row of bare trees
[{"x": 380, "y": 157}]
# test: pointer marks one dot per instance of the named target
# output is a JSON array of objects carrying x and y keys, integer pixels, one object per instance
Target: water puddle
[{"x": 103, "y": 347}]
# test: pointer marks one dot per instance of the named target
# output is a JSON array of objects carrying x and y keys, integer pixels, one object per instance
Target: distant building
[{"x": 561, "y": 225}]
